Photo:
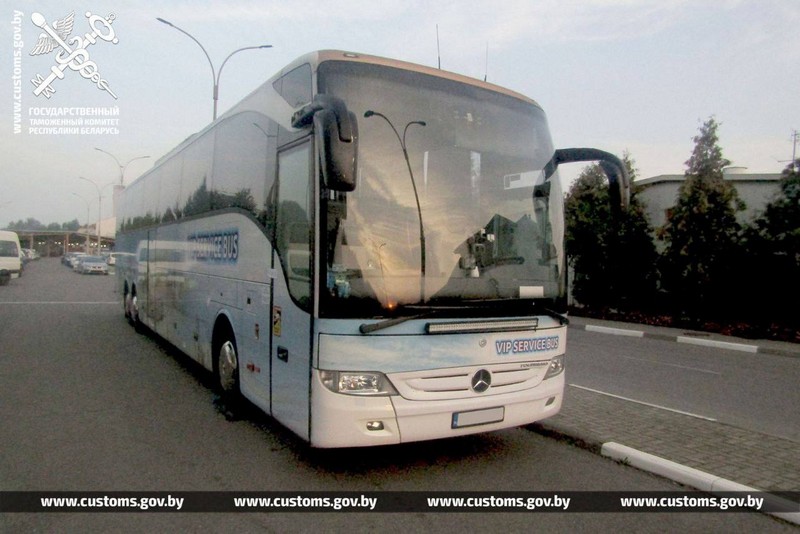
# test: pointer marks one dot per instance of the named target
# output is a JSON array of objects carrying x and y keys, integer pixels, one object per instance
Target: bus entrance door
[{"x": 291, "y": 318}]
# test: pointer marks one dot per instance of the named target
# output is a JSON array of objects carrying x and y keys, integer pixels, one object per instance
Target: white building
[{"x": 660, "y": 193}]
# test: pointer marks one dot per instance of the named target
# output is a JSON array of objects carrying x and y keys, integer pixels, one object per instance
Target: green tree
[
  {"x": 772, "y": 243},
  {"x": 30, "y": 224},
  {"x": 779, "y": 225},
  {"x": 613, "y": 259},
  {"x": 702, "y": 234},
  {"x": 71, "y": 225}
]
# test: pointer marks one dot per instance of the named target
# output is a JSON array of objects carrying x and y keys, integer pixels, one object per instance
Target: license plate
[{"x": 478, "y": 417}]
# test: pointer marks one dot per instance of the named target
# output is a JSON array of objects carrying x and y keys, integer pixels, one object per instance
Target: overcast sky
[{"x": 620, "y": 75}]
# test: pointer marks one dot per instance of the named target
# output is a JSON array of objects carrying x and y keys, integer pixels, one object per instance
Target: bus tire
[
  {"x": 131, "y": 304},
  {"x": 226, "y": 371},
  {"x": 226, "y": 361},
  {"x": 125, "y": 292}
]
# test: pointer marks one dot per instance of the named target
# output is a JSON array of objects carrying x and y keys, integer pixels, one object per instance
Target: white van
[{"x": 10, "y": 262}]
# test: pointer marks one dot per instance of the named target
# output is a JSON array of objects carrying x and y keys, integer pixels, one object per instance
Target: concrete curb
[
  {"x": 694, "y": 478},
  {"x": 691, "y": 340},
  {"x": 784, "y": 509},
  {"x": 688, "y": 476}
]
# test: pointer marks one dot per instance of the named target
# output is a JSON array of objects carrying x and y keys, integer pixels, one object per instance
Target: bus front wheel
[
  {"x": 226, "y": 362},
  {"x": 228, "y": 367}
]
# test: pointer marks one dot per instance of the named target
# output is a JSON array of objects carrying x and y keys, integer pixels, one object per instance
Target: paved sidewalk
[{"x": 742, "y": 456}]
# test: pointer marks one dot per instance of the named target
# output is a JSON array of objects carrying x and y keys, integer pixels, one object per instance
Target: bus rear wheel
[{"x": 131, "y": 305}]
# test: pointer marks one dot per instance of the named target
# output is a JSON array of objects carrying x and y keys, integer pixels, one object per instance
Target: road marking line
[
  {"x": 614, "y": 331},
  {"x": 644, "y": 403},
  {"x": 718, "y": 344}
]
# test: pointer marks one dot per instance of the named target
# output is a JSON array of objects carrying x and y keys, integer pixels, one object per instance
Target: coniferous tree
[{"x": 702, "y": 234}]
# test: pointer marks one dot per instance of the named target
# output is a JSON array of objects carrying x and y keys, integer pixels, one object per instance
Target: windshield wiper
[{"x": 368, "y": 328}]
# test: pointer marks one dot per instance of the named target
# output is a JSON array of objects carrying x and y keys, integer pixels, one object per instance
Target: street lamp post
[
  {"x": 99, "y": 206},
  {"x": 120, "y": 165},
  {"x": 87, "y": 222},
  {"x": 214, "y": 74},
  {"x": 402, "y": 140}
]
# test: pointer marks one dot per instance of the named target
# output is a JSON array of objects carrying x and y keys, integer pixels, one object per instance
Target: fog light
[
  {"x": 375, "y": 425},
  {"x": 550, "y": 401}
]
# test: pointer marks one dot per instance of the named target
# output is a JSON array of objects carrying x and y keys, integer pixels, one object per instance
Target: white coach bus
[{"x": 370, "y": 251}]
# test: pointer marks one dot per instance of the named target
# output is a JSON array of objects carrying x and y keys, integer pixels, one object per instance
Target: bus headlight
[
  {"x": 556, "y": 367},
  {"x": 357, "y": 383}
]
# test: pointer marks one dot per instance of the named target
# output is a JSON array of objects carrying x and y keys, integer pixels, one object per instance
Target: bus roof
[
  {"x": 321, "y": 56},
  {"x": 315, "y": 58}
]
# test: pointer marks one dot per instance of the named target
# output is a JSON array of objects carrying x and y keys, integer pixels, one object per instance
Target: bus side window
[
  {"x": 296, "y": 89},
  {"x": 293, "y": 235}
]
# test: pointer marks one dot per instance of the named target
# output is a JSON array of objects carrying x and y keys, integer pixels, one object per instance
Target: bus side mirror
[
  {"x": 337, "y": 156},
  {"x": 619, "y": 186},
  {"x": 336, "y": 132},
  {"x": 541, "y": 204}
]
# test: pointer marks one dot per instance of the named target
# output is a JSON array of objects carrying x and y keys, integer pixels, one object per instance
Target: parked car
[
  {"x": 10, "y": 260},
  {"x": 69, "y": 258},
  {"x": 76, "y": 259},
  {"x": 111, "y": 258},
  {"x": 92, "y": 265},
  {"x": 75, "y": 262}
]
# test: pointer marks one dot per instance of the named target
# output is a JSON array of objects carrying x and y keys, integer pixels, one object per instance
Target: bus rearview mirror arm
[{"x": 619, "y": 187}]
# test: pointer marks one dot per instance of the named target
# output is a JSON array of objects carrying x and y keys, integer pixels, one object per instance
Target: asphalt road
[
  {"x": 752, "y": 391},
  {"x": 90, "y": 405}
]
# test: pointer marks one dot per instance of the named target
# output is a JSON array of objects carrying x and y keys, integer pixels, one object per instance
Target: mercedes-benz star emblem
[{"x": 481, "y": 381}]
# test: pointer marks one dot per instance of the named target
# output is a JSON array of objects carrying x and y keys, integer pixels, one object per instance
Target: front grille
[{"x": 444, "y": 384}]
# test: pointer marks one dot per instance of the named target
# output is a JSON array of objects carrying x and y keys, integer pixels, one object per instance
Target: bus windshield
[{"x": 451, "y": 206}]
